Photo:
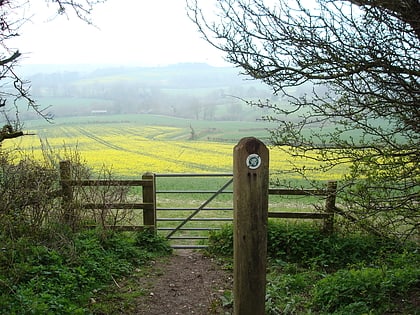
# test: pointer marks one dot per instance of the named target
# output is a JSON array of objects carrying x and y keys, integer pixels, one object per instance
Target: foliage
[
  {"x": 307, "y": 245},
  {"x": 378, "y": 287},
  {"x": 30, "y": 192},
  {"x": 39, "y": 279},
  {"x": 287, "y": 289},
  {"x": 221, "y": 241},
  {"x": 347, "y": 77},
  {"x": 31, "y": 199},
  {"x": 332, "y": 274},
  {"x": 368, "y": 290},
  {"x": 26, "y": 195},
  {"x": 149, "y": 241},
  {"x": 46, "y": 265}
]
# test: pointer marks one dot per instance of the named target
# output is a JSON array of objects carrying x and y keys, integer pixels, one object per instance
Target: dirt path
[{"x": 185, "y": 283}]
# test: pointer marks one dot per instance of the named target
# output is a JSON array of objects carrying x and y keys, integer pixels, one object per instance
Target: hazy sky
[{"x": 141, "y": 32}]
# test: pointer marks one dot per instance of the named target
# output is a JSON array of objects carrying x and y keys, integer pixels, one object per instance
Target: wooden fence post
[
  {"x": 250, "y": 202},
  {"x": 330, "y": 207},
  {"x": 67, "y": 194},
  {"x": 149, "y": 196}
]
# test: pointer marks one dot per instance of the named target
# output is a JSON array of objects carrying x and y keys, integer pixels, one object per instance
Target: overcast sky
[{"x": 139, "y": 32}]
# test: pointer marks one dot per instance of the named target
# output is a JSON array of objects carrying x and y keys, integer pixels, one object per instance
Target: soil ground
[{"x": 187, "y": 282}]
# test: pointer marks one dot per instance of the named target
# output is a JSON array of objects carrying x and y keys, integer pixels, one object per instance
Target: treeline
[{"x": 197, "y": 91}]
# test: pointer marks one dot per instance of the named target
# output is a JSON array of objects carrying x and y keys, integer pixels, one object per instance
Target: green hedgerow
[{"x": 364, "y": 291}]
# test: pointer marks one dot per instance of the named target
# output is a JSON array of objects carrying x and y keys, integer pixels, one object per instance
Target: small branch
[
  {"x": 7, "y": 132},
  {"x": 116, "y": 283},
  {"x": 11, "y": 135},
  {"x": 12, "y": 58}
]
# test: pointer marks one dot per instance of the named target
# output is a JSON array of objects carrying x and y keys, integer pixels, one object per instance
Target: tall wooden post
[
  {"x": 250, "y": 185},
  {"x": 149, "y": 197},
  {"x": 67, "y": 194},
  {"x": 330, "y": 207}
]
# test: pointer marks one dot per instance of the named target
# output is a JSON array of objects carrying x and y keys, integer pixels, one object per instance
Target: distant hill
[
  {"x": 195, "y": 90},
  {"x": 183, "y": 75}
]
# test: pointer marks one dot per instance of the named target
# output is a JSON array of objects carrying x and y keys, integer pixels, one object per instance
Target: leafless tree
[
  {"x": 361, "y": 60},
  {"x": 15, "y": 91}
]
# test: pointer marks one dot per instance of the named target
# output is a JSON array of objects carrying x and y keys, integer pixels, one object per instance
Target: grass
[
  {"x": 172, "y": 218},
  {"x": 130, "y": 145},
  {"x": 39, "y": 277},
  {"x": 224, "y": 129},
  {"x": 312, "y": 273},
  {"x": 61, "y": 279}
]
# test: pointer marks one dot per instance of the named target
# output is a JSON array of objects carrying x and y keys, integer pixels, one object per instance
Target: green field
[
  {"x": 130, "y": 145},
  {"x": 134, "y": 144}
]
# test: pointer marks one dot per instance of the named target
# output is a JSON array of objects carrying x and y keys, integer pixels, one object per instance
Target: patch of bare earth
[{"x": 185, "y": 283}]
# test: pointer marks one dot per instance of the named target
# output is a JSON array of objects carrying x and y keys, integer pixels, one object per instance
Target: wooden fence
[
  {"x": 148, "y": 204},
  {"x": 329, "y": 209},
  {"x": 149, "y": 199}
]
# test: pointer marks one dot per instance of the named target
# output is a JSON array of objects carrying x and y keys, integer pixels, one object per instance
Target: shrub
[
  {"x": 221, "y": 241},
  {"x": 306, "y": 245},
  {"x": 25, "y": 196},
  {"x": 333, "y": 274},
  {"x": 29, "y": 188},
  {"x": 364, "y": 291},
  {"x": 37, "y": 279},
  {"x": 293, "y": 242},
  {"x": 287, "y": 289},
  {"x": 149, "y": 241}
]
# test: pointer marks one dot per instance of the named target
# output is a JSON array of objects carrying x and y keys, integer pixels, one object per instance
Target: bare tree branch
[
  {"x": 347, "y": 74},
  {"x": 14, "y": 90}
]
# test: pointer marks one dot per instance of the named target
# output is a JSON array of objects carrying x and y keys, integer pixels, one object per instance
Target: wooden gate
[
  {"x": 185, "y": 207},
  {"x": 188, "y": 206}
]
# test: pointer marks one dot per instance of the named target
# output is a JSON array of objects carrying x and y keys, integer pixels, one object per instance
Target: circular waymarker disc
[{"x": 253, "y": 161}]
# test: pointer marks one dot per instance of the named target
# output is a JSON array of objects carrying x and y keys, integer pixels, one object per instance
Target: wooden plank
[
  {"x": 193, "y": 209},
  {"x": 133, "y": 206},
  {"x": 194, "y": 175},
  {"x": 125, "y": 228},
  {"x": 194, "y": 219},
  {"x": 188, "y": 229},
  {"x": 250, "y": 200},
  {"x": 189, "y": 238},
  {"x": 297, "y": 192},
  {"x": 189, "y": 246},
  {"x": 298, "y": 215},
  {"x": 330, "y": 207},
  {"x": 149, "y": 197},
  {"x": 106, "y": 182},
  {"x": 193, "y": 192}
]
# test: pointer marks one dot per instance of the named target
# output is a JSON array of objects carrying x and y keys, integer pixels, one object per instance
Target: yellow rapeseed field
[{"x": 133, "y": 150}]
